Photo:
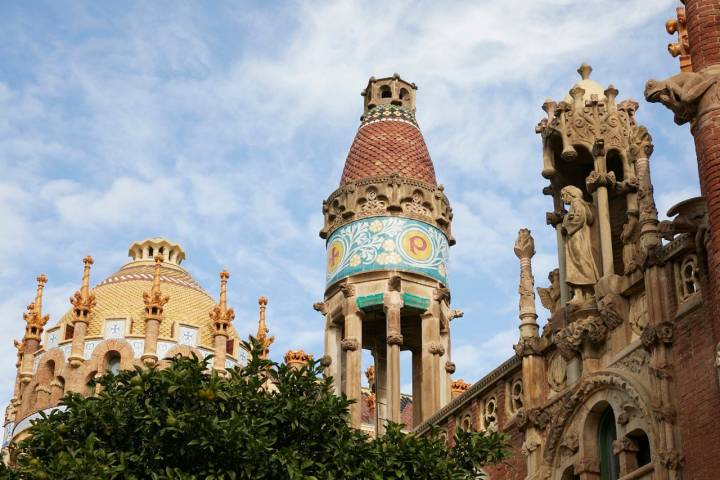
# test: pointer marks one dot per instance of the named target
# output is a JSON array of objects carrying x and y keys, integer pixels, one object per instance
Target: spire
[
  {"x": 220, "y": 315},
  {"x": 262, "y": 332},
  {"x": 154, "y": 300},
  {"x": 33, "y": 316},
  {"x": 525, "y": 250},
  {"x": 83, "y": 301}
]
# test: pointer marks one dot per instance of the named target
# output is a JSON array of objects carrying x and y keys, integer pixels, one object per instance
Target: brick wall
[{"x": 697, "y": 395}]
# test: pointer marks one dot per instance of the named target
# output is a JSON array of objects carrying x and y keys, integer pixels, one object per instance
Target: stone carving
[
  {"x": 326, "y": 360},
  {"x": 628, "y": 411},
  {"x": 570, "y": 338},
  {"x": 581, "y": 271},
  {"x": 516, "y": 395},
  {"x": 596, "y": 179},
  {"x": 450, "y": 367},
  {"x": 687, "y": 277},
  {"x": 347, "y": 290},
  {"x": 529, "y": 446},
  {"x": 390, "y": 195},
  {"x": 436, "y": 348},
  {"x": 664, "y": 413},
  {"x": 550, "y": 296},
  {"x": 557, "y": 372},
  {"x": 538, "y": 418},
  {"x": 528, "y": 346},
  {"x": 394, "y": 339},
  {"x": 635, "y": 361},
  {"x": 624, "y": 444},
  {"x": 570, "y": 404},
  {"x": 570, "y": 444},
  {"x": 629, "y": 236},
  {"x": 653, "y": 334},
  {"x": 350, "y": 344},
  {"x": 638, "y": 314},
  {"x": 613, "y": 309},
  {"x": 685, "y": 93},
  {"x": 672, "y": 459},
  {"x": 320, "y": 307}
]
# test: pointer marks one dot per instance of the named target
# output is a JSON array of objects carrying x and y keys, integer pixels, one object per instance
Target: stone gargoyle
[{"x": 681, "y": 93}]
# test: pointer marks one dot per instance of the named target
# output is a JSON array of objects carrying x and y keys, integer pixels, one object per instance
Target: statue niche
[{"x": 581, "y": 270}]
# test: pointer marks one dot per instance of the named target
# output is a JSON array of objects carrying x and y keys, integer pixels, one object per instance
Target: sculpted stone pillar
[
  {"x": 381, "y": 386},
  {"x": 529, "y": 348},
  {"x": 352, "y": 346},
  {"x": 154, "y": 304},
  {"x": 83, "y": 302},
  {"x": 392, "y": 305},
  {"x": 432, "y": 351}
]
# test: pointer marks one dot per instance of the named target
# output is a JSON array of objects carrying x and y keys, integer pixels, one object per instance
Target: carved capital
[
  {"x": 436, "y": 348},
  {"x": 613, "y": 310},
  {"x": 538, "y": 418},
  {"x": 528, "y": 346},
  {"x": 350, "y": 344},
  {"x": 394, "y": 339},
  {"x": 442, "y": 294},
  {"x": 570, "y": 443},
  {"x": 624, "y": 445},
  {"x": 348, "y": 290},
  {"x": 555, "y": 218},
  {"x": 596, "y": 180}
]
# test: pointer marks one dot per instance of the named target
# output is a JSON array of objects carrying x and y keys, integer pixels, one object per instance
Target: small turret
[
  {"x": 389, "y": 91},
  {"x": 262, "y": 331},
  {"x": 154, "y": 304},
  {"x": 221, "y": 317},
  {"x": 83, "y": 303}
]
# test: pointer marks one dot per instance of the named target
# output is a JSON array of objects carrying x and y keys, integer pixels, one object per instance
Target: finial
[
  {"x": 525, "y": 244},
  {"x": 297, "y": 358},
  {"x": 83, "y": 301},
  {"x": 262, "y": 332},
  {"x": 33, "y": 316},
  {"x": 524, "y": 250},
  {"x": 458, "y": 387},
  {"x": 370, "y": 375},
  {"x": 154, "y": 300},
  {"x": 220, "y": 315},
  {"x": 584, "y": 70}
]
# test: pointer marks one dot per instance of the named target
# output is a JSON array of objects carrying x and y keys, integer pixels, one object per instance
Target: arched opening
[
  {"x": 569, "y": 474},
  {"x": 90, "y": 385},
  {"x": 385, "y": 92},
  {"x": 642, "y": 443},
  {"x": 112, "y": 362},
  {"x": 150, "y": 252},
  {"x": 606, "y": 435}
]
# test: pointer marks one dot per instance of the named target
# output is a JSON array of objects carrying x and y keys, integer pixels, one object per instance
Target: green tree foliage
[{"x": 185, "y": 423}]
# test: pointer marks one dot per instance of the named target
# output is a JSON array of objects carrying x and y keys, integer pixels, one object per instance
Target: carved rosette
[{"x": 387, "y": 195}]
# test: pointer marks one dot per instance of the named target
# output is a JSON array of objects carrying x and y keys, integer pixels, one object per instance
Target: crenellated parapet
[{"x": 388, "y": 195}]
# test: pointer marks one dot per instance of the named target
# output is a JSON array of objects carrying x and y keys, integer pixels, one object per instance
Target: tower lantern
[{"x": 387, "y": 232}]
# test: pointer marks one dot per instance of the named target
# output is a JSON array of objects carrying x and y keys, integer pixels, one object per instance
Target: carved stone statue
[
  {"x": 550, "y": 296},
  {"x": 629, "y": 236},
  {"x": 682, "y": 93},
  {"x": 581, "y": 271}
]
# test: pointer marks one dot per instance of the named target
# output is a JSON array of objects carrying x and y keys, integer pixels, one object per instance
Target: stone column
[
  {"x": 77, "y": 349},
  {"x": 432, "y": 350},
  {"x": 381, "y": 387},
  {"x": 43, "y": 397},
  {"x": 599, "y": 180},
  {"x": 352, "y": 345},
  {"x": 154, "y": 305},
  {"x": 417, "y": 377},
  {"x": 333, "y": 353},
  {"x": 57, "y": 391},
  {"x": 394, "y": 341},
  {"x": 152, "y": 331}
]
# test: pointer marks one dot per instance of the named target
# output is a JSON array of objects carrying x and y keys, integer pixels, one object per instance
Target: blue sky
[{"x": 223, "y": 125}]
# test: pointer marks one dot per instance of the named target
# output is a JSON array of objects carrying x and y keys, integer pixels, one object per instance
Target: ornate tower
[{"x": 387, "y": 231}]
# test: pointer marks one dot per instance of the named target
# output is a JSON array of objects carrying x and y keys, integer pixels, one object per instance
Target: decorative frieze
[{"x": 387, "y": 195}]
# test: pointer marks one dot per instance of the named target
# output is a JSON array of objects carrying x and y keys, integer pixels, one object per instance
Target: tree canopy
[{"x": 184, "y": 422}]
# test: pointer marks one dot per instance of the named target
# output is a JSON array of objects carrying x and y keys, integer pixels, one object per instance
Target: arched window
[
  {"x": 385, "y": 92},
  {"x": 607, "y": 434},
  {"x": 642, "y": 456},
  {"x": 112, "y": 364}
]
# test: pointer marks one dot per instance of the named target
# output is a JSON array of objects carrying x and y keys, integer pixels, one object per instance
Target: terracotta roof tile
[{"x": 387, "y": 146}]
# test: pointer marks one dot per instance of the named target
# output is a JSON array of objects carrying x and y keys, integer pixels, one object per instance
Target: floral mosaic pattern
[{"x": 387, "y": 243}]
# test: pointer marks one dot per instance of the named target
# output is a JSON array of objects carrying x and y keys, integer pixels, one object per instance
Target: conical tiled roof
[{"x": 387, "y": 142}]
